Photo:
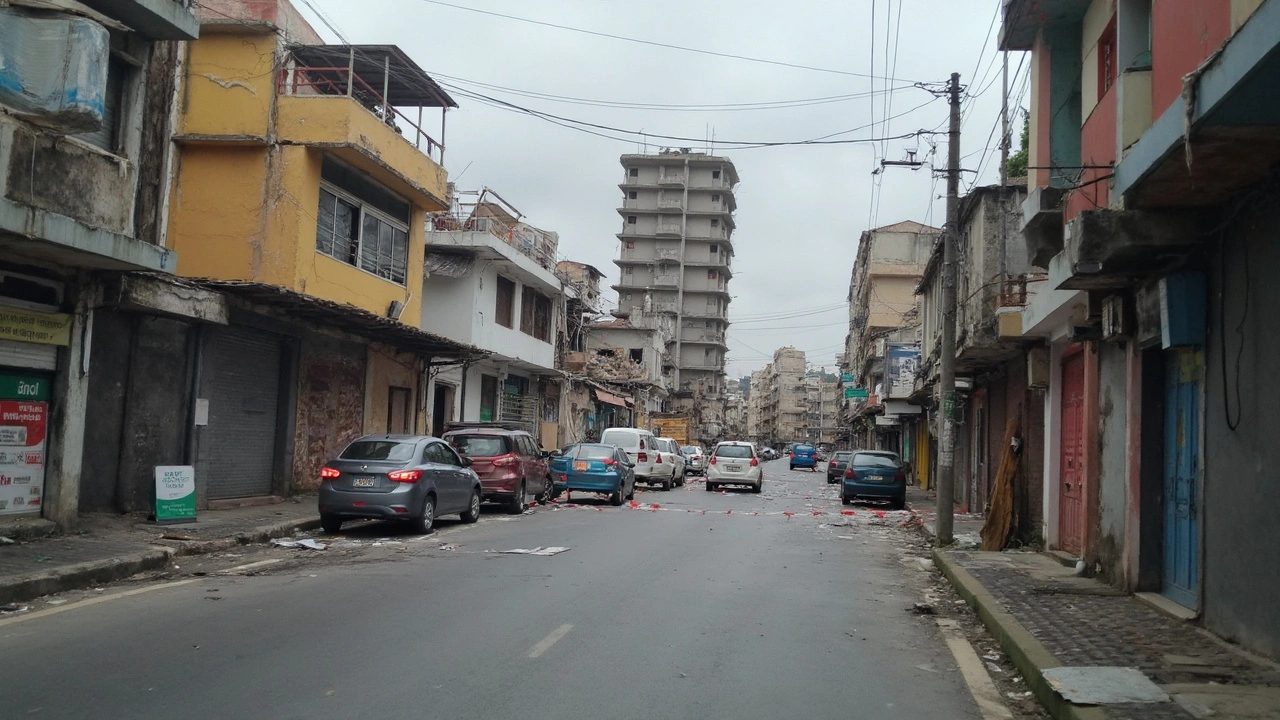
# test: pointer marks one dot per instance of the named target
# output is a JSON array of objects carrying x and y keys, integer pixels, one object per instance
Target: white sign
[{"x": 175, "y": 493}]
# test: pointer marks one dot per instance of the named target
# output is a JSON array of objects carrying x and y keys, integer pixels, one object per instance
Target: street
[{"x": 666, "y": 612}]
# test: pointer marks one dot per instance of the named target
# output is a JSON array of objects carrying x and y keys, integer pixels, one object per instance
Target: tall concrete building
[{"x": 675, "y": 260}]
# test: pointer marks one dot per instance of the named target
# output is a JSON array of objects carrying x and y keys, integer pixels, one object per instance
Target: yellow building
[{"x": 300, "y": 188}]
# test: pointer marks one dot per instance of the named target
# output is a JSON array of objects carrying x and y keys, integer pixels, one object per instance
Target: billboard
[{"x": 902, "y": 362}]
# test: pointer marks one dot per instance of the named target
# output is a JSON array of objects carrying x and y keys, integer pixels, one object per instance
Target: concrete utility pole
[{"x": 947, "y": 453}]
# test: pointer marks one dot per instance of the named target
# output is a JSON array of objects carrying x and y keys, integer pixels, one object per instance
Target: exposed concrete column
[{"x": 65, "y": 442}]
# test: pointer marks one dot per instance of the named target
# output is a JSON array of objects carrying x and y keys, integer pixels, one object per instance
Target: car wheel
[
  {"x": 793, "y": 467},
  {"x": 516, "y": 505},
  {"x": 680, "y": 480},
  {"x": 331, "y": 524},
  {"x": 547, "y": 491},
  {"x": 472, "y": 513},
  {"x": 759, "y": 486},
  {"x": 615, "y": 498},
  {"x": 845, "y": 500},
  {"x": 666, "y": 484},
  {"x": 898, "y": 504},
  {"x": 632, "y": 495},
  {"x": 426, "y": 520},
  {"x": 710, "y": 486}
]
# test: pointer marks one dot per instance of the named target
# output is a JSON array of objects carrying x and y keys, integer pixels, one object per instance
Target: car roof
[
  {"x": 485, "y": 431},
  {"x": 394, "y": 436},
  {"x": 599, "y": 445}
]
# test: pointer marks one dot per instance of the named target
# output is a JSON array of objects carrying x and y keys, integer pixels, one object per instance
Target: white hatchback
[{"x": 734, "y": 463}]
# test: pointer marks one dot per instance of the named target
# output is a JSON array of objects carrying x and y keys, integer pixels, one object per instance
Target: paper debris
[
  {"x": 448, "y": 546},
  {"x": 307, "y": 543},
  {"x": 544, "y": 551}
]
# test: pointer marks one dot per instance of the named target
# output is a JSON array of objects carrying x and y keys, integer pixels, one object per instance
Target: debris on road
[
  {"x": 13, "y": 608},
  {"x": 176, "y": 536},
  {"x": 922, "y": 608},
  {"x": 6, "y": 540},
  {"x": 449, "y": 546},
  {"x": 307, "y": 543},
  {"x": 543, "y": 551}
]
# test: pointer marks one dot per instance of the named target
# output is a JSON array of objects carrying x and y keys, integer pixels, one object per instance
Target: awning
[{"x": 610, "y": 398}]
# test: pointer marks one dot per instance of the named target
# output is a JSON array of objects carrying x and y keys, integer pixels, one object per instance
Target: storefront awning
[{"x": 610, "y": 398}]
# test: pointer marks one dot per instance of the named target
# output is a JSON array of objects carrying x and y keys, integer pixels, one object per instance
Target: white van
[{"x": 641, "y": 448}]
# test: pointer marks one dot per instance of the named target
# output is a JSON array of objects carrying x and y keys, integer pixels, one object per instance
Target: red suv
[{"x": 509, "y": 462}]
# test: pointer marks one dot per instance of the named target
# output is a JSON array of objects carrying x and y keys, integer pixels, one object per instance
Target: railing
[
  {"x": 671, "y": 179},
  {"x": 665, "y": 281},
  {"x": 529, "y": 241},
  {"x": 298, "y": 81},
  {"x": 668, "y": 229},
  {"x": 670, "y": 202},
  {"x": 673, "y": 255}
]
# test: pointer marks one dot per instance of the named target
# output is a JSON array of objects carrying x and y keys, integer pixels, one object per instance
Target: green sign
[
  {"x": 175, "y": 493},
  {"x": 24, "y": 387},
  {"x": 856, "y": 392},
  {"x": 949, "y": 405},
  {"x": 846, "y": 378}
]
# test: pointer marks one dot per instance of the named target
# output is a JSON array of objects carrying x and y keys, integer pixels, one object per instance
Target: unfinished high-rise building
[{"x": 675, "y": 260}]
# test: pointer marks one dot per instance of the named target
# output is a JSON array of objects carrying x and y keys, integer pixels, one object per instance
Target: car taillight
[
  {"x": 329, "y": 473},
  {"x": 848, "y": 473},
  {"x": 642, "y": 457},
  {"x": 610, "y": 461},
  {"x": 658, "y": 459},
  {"x": 754, "y": 462},
  {"x": 902, "y": 475},
  {"x": 713, "y": 459},
  {"x": 405, "y": 476},
  {"x": 832, "y": 463},
  {"x": 793, "y": 456},
  {"x": 505, "y": 461}
]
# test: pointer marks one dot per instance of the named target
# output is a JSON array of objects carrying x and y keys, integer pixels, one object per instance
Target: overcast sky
[{"x": 801, "y": 209}]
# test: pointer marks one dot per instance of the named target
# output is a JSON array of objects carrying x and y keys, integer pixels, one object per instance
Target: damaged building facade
[{"x": 1151, "y": 210}]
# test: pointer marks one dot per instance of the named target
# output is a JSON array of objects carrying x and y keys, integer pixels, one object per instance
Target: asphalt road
[{"x": 660, "y": 612}]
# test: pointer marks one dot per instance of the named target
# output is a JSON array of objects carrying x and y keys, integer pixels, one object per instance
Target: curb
[
  {"x": 94, "y": 572},
  {"x": 1027, "y": 654}
]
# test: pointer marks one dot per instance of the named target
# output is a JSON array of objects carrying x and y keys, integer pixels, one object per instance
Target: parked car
[
  {"x": 695, "y": 460},
  {"x": 671, "y": 455},
  {"x": 510, "y": 464},
  {"x": 836, "y": 465},
  {"x": 641, "y": 450},
  {"x": 734, "y": 463},
  {"x": 875, "y": 475},
  {"x": 592, "y": 467},
  {"x": 821, "y": 455},
  {"x": 769, "y": 454},
  {"x": 804, "y": 455},
  {"x": 411, "y": 478}
]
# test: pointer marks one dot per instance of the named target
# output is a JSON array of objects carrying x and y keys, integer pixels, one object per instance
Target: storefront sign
[
  {"x": 856, "y": 392},
  {"x": 903, "y": 363},
  {"x": 34, "y": 327},
  {"x": 175, "y": 493},
  {"x": 24, "y": 418}
]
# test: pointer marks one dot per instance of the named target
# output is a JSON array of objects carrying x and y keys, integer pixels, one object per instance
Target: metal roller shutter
[
  {"x": 522, "y": 409},
  {"x": 242, "y": 382},
  {"x": 28, "y": 355}
]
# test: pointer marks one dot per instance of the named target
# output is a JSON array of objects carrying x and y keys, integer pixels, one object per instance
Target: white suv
[
  {"x": 734, "y": 463},
  {"x": 641, "y": 448}
]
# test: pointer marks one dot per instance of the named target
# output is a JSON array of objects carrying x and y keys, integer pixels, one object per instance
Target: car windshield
[
  {"x": 623, "y": 439},
  {"x": 733, "y": 451},
  {"x": 804, "y": 448},
  {"x": 594, "y": 452},
  {"x": 479, "y": 445},
  {"x": 390, "y": 450},
  {"x": 875, "y": 460},
  {"x": 843, "y": 456},
  {"x": 690, "y": 449}
]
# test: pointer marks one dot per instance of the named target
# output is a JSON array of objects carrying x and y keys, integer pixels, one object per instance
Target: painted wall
[
  {"x": 1113, "y": 458},
  {"x": 1097, "y": 148},
  {"x": 229, "y": 85},
  {"x": 330, "y": 374},
  {"x": 1183, "y": 34},
  {"x": 385, "y": 368},
  {"x": 1240, "y": 503}
]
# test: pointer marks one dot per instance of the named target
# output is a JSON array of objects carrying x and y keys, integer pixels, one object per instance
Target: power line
[{"x": 654, "y": 43}]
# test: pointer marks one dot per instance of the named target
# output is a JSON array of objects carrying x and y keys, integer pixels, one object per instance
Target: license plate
[
  {"x": 579, "y": 465},
  {"x": 733, "y": 468},
  {"x": 364, "y": 482}
]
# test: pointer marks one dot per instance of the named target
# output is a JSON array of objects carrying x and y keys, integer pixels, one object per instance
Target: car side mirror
[
  {"x": 630, "y": 464},
  {"x": 555, "y": 453},
  {"x": 467, "y": 462},
  {"x": 546, "y": 454}
]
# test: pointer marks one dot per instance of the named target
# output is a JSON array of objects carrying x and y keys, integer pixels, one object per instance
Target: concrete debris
[
  {"x": 6, "y": 541},
  {"x": 307, "y": 543},
  {"x": 13, "y": 609},
  {"x": 994, "y": 668},
  {"x": 1104, "y": 685},
  {"x": 922, "y": 609},
  {"x": 449, "y": 546}
]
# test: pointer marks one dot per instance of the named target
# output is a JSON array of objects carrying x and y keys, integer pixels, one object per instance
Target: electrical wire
[{"x": 669, "y": 46}]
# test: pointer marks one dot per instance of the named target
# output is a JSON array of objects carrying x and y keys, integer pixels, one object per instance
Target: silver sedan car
[
  {"x": 734, "y": 463},
  {"x": 411, "y": 478}
]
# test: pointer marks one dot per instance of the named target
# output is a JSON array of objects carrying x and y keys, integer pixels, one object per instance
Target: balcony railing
[
  {"x": 670, "y": 202},
  {"x": 671, "y": 179},
  {"x": 670, "y": 255},
  {"x": 300, "y": 81},
  {"x": 531, "y": 243},
  {"x": 668, "y": 229},
  {"x": 665, "y": 281}
]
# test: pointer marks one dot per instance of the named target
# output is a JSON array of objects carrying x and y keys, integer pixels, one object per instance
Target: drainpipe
[{"x": 462, "y": 400}]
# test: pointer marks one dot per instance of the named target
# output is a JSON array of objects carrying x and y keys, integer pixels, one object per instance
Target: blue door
[{"x": 1181, "y": 468}]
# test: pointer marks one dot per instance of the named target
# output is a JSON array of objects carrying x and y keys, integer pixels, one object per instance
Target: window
[
  {"x": 389, "y": 450},
  {"x": 631, "y": 219},
  {"x": 361, "y": 224},
  {"x": 480, "y": 445},
  {"x": 631, "y": 244},
  {"x": 631, "y": 195},
  {"x": 1107, "y": 60},
  {"x": 633, "y": 172},
  {"x": 488, "y": 397},
  {"x": 535, "y": 314},
  {"x": 637, "y": 354},
  {"x": 715, "y": 174},
  {"x": 505, "y": 310},
  {"x": 715, "y": 222},
  {"x": 440, "y": 454},
  {"x": 107, "y": 137},
  {"x": 626, "y": 270},
  {"x": 715, "y": 248},
  {"x": 715, "y": 197},
  {"x": 711, "y": 274}
]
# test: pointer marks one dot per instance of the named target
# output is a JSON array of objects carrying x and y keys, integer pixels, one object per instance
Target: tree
[{"x": 1017, "y": 166}]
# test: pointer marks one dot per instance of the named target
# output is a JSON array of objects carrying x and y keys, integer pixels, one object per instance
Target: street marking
[
  {"x": 974, "y": 672},
  {"x": 550, "y": 640},
  {"x": 93, "y": 601},
  {"x": 249, "y": 566}
]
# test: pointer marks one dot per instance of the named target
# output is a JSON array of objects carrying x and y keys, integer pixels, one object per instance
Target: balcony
[
  {"x": 668, "y": 229},
  {"x": 675, "y": 203},
  {"x": 351, "y": 100},
  {"x": 666, "y": 281},
  {"x": 676, "y": 179},
  {"x": 1109, "y": 249},
  {"x": 669, "y": 255}
]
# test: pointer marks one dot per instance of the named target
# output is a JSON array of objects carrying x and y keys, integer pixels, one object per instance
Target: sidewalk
[
  {"x": 111, "y": 547},
  {"x": 1048, "y": 619}
]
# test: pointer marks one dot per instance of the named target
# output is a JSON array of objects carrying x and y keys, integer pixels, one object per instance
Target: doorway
[
  {"x": 399, "y": 410},
  {"x": 441, "y": 408},
  {"x": 1070, "y": 473},
  {"x": 1180, "y": 576}
]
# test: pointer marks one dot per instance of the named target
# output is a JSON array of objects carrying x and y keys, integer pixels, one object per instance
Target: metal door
[
  {"x": 1070, "y": 474},
  {"x": 1181, "y": 467},
  {"x": 241, "y": 379}
]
